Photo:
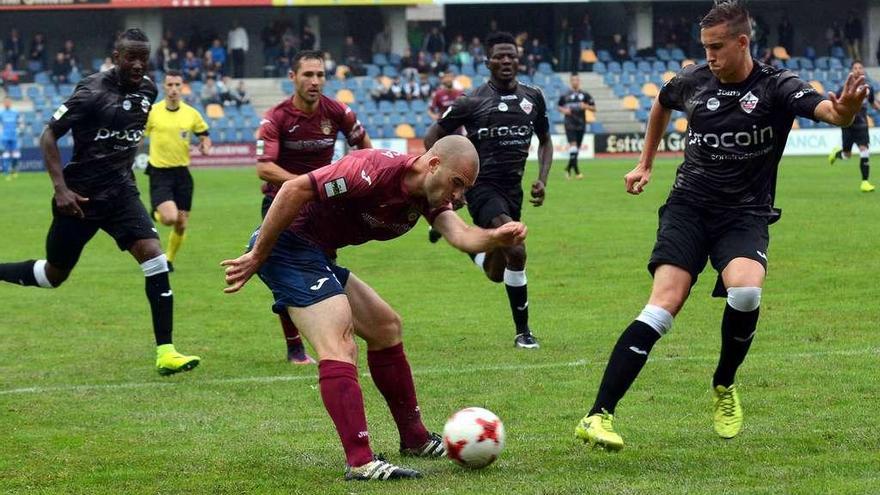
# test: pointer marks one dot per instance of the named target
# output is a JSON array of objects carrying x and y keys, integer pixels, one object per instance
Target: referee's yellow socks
[{"x": 174, "y": 243}]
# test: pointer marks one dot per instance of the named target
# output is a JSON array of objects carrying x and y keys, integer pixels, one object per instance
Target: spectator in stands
[
  {"x": 426, "y": 89},
  {"x": 379, "y": 91},
  {"x": 833, "y": 36},
  {"x": 241, "y": 95},
  {"x": 396, "y": 89},
  {"x": 411, "y": 88},
  {"x": 563, "y": 44},
  {"x": 522, "y": 60},
  {"x": 423, "y": 63},
  {"x": 877, "y": 55},
  {"x": 173, "y": 62},
  {"x": 619, "y": 49},
  {"x": 478, "y": 53},
  {"x": 434, "y": 42},
  {"x": 70, "y": 53},
  {"x": 210, "y": 92},
  {"x": 351, "y": 55},
  {"x": 457, "y": 46},
  {"x": 106, "y": 65},
  {"x": 237, "y": 42},
  {"x": 852, "y": 31},
  {"x": 13, "y": 48},
  {"x": 162, "y": 55},
  {"x": 60, "y": 70},
  {"x": 407, "y": 61},
  {"x": 584, "y": 33},
  {"x": 271, "y": 50},
  {"x": 181, "y": 49},
  {"x": 538, "y": 53},
  {"x": 285, "y": 56},
  {"x": 9, "y": 76},
  {"x": 192, "y": 67},
  {"x": 382, "y": 41},
  {"x": 438, "y": 63},
  {"x": 786, "y": 34},
  {"x": 218, "y": 54},
  {"x": 307, "y": 38},
  {"x": 210, "y": 68},
  {"x": 37, "y": 60},
  {"x": 329, "y": 64}
]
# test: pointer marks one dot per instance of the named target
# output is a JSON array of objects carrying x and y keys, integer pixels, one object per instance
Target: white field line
[{"x": 459, "y": 370}]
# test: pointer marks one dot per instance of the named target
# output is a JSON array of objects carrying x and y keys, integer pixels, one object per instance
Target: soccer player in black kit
[
  {"x": 739, "y": 113},
  {"x": 500, "y": 118},
  {"x": 96, "y": 190},
  {"x": 857, "y": 134},
  {"x": 574, "y": 105}
]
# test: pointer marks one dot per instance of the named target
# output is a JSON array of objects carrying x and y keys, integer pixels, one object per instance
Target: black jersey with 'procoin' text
[{"x": 736, "y": 134}]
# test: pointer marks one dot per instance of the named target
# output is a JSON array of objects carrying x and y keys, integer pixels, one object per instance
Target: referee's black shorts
[
  {"x": 121, "y": 215},
  {"x": 171, "y": 184},
  {"x": 854, "y": 135},
  {"x": 689, "y": 235}
]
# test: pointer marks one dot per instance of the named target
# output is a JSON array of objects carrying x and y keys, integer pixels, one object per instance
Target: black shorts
[
  {"x": 171, "y": 184},
  {"x": 854, "y": 135},
  {"x": 122, "y": 216},
  {"x": 688, "y": 235},
  {"x": 486, "y": 201},
  {"x": 574, "y": 136},
  {"x": 264, "y": 208}
]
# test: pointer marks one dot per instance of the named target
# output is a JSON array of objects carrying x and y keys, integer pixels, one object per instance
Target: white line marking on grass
[{"x": 417, "y": 372}]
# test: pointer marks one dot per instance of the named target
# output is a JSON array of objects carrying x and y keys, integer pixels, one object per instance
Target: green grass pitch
[{"x": 82, "y": 409}]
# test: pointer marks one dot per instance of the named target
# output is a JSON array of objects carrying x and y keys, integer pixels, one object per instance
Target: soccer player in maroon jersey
[
  {"x": 367, "y": 195},
  {"x": 297, "y": 136},
  {"x": 443, "y": 97}
]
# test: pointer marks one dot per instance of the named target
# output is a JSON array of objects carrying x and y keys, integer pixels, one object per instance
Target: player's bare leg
[{"x": 380, "y": 326}]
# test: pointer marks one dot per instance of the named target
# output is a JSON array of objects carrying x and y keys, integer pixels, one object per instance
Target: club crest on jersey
[
  {"x": 502, "y": 107},
  {"x": 526, "y": 105},
  {"x": 748, "y": 102},
  {"x": 335, "y": 187},
  {"x": 326, "y": 126},
  {"x": 713, "y": 104},
  {"x": 145, "y": 105},
  {"x": 126, "y": 105}
]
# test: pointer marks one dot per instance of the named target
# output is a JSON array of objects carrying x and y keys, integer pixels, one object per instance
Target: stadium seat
[
  {"x": 681, "y": 124},
  {"x": 588, "y": 56},
  {"x": 342, "y": 72},
  {"x": 14, "y": 92},
  {"x": 629, "y": 66},
  {"x": 614, "y": 67},
  {"x": 390, "y": 71},
  {"x": 673, "y": 65},
  {"x": 405, "y": 131},
  {"x": 464, "y": 82},
  {"x": 468, "y": 70},
  {"x": 650, "y": 89},
  {"x": 591, "y": 116},
  {"x": 663, "y": 54},
  {"x": 418, "y": 107},
  {"x": 545, "y": 68},
  {"x": 600, "y": 68},
  {"x": 791, "y": 64},
  {"x": 386, "y": 107},
  {"x": 34, "y": 92},
  {"x": 630, "y": 102},
  {"x": 837, "y": 52},
  {"x": 781, "y": 53},
  {"x": 345, "y": 96},
  {"x": 372, "y": 70},
  {"x": 667, "y": 76},
  {"x": 394, "y": 59},
  {"x": 806, "y": 63},
  {"x": 401, "y": 106},
  {"x": 604, "y": 56},
  {"x": 214, "y": 111},
  {"x": 421, "y": 129},
  {"x": 643, "y": 66},
  {"x": 818, "y": 86},
  {"x": 42, "y": 78},
  {"x": 677, "y": 54},
  {"x": 482, "y": 70},
  {"x": 380, "y": 59}
]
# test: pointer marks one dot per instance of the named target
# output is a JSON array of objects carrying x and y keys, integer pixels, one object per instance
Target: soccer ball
[{"x": 473, "y": 437}]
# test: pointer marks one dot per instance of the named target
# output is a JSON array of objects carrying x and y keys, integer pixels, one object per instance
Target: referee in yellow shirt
[{"x": 170, "y": 126}]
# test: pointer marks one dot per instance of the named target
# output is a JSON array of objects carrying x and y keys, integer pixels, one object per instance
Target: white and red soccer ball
[{"x": 473, "y": 437}]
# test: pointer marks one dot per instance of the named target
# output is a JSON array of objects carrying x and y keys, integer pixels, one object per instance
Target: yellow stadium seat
[
  {"x": 214, "y": 111},
  {"x": 818, "y": 87},
  {"x": 686, "y": 62},
  {"x": 681, "y": 124},
  {"x": 405, "y": 131},
  {"x": 186, "y": 90},
  {"x": 781, "y": 53},
  {"x": 667, "y": 75},
  {"x": 650, "y": 89},
  {"x": 795, "y": 124},
  {"x": 385, "y": 80},
  {"x": 588, "y": 56},
  {"x": 464, "y": 82},
  {"x": 345, "y": 96},
  {"x": 630, "y": 102},
  {"x": 342, "y": 71},
  {"x": 591, "y": 116},
  {"x": 870, "y": 121}
]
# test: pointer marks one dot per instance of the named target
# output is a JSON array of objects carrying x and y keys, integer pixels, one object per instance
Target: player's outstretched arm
[
  {"x": 638, "y": 178},
  {"x": 840, "y": 110},
  {"x": 287, "y": 204},
  {"x": 273, "y": 173},
  {"x": 472, "y": 239},
  {"x": 66, "y": 200}
]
